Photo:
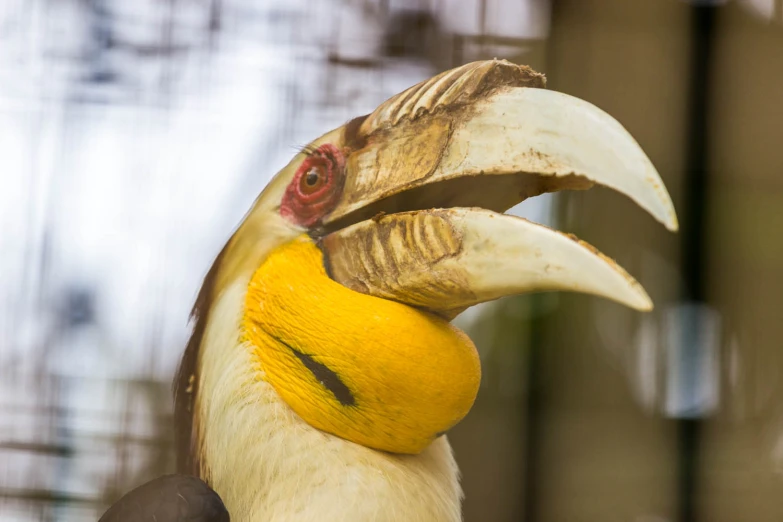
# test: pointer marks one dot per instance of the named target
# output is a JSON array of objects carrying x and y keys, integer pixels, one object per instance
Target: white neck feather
[{"x": 269, "y": 465}]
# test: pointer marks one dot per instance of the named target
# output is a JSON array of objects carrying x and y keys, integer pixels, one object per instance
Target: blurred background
[{"x": 134, "y": 136}]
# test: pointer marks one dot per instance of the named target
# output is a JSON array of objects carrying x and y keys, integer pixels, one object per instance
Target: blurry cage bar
[
  {"x": 76, "y": 427},
  {"x": 375, "y": 48}
]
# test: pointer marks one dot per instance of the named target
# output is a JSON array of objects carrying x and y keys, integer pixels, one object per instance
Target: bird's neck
[{"x": 268, "y": 464}]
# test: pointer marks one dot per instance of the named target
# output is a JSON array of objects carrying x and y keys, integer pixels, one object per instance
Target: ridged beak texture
[{"x": 420, "y": 219}]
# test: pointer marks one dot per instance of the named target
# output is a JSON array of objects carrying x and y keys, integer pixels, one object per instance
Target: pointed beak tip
[
  {"x": 645, "y": 306},
  {"x": 641, "y": 300}
]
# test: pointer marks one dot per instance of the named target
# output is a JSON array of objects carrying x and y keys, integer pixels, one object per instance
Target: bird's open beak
[{"x": 431, "y": 171}]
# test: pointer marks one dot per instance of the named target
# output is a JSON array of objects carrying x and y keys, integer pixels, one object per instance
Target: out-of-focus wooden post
[
  {"x": 741, "y": 463},
  {"x": 603, "y": 450}
]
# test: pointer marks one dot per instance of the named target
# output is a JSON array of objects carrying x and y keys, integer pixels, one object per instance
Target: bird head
[{"x": 354, "y": 259}]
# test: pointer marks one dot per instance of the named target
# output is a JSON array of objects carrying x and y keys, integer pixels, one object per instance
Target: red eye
[{"x": 316, "y": 186}]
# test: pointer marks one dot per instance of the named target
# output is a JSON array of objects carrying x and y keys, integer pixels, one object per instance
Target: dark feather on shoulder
[{"x": 170, "y": 498}]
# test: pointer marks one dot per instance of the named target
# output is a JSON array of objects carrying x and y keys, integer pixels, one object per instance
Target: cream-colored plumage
[{"x": 269, "y": 465}]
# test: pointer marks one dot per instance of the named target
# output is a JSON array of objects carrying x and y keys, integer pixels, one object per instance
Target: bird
[{"x": 324, "y": 373}]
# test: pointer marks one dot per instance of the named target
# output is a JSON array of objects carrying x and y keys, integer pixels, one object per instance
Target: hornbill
[{"x": 323, "y": 371}]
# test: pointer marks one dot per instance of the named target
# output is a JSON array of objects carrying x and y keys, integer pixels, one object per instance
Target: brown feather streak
[{"x": 186, "y": 379}]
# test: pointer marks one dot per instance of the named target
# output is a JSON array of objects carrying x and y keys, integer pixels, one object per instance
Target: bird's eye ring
[{"x": 316, "y": 186}]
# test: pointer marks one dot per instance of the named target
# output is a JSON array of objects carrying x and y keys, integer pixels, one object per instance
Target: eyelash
[{"x": 308, "y": 150}]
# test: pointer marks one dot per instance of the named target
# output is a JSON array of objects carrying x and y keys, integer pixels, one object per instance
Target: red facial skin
[{"x": 316, "y": 187}]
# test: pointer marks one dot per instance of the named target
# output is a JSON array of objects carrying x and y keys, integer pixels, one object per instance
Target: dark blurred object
[
  {"x": 79, "y": 307},
  {"x": 100, "y": 20},
  {"x": 171, "y": 498},
  {"x": 694, "y": 242},
  {"x": 411, "y": 33}
]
